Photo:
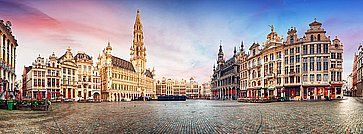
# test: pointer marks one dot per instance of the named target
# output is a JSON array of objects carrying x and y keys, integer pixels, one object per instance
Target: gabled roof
[
  {"x": 27, "y": 69},
  {"x": 148, "y": 73},
  {"x": 254, "y": 45},
  {"x": 118, "y": 62}
]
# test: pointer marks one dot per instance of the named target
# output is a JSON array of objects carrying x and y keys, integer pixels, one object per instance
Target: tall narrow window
[
  {"x": 312, "y": 64},
  {"x": 318, "y": 37},
  {"x": 318, "y": 48},
  {"x": 326, "y": 48},
  {"x": 311, "y": 38},
  {"x": 305, "y": 49},
  {"x": 312, "y": 50}
]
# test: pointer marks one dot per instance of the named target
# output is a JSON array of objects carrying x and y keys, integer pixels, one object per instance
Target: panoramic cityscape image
[{"x": 181, "y": 66}]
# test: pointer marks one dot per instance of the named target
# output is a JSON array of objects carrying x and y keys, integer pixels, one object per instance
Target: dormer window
[
  {"x": 336, "y": 45},
  {"x": 254, "y": 52},
  {"x": 311, "y": 38}
]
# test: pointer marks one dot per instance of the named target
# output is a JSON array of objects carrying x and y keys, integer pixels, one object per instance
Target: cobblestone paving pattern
[{"x": 192, "y": 116}]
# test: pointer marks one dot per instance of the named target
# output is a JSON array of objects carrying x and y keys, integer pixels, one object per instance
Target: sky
[{"x": 181, "y": 37}]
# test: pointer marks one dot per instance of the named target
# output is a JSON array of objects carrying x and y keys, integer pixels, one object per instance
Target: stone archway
[
  {"x": 96, "y": 96},
  {"x": 115, "y": 96}
]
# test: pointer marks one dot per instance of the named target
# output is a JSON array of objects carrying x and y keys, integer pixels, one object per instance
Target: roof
[
  {"x": 148, "y": 73},
  {"x": 118, "y": 62},
  {"x": 82, "y": 56},
  {"x": 254, "y": 45},
  {"x": 27, "y": 69},
  {"x": 315, "y": 23}
]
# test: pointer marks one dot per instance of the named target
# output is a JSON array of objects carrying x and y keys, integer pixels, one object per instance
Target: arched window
[
  {"x": 311, "y": 38},
  {"x": 291, "y": 39},
  {"x": 318, "y": 37}
]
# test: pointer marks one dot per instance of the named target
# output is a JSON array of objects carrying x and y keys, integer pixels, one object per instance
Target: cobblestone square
[{"x": 192, "y": 116}]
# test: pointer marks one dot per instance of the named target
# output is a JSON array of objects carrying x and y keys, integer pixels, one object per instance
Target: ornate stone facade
[
  {"x": 225, "y": 83},
  {"x": 67, "y": 77},
  {"x": 190, "y": 88},
  {"x": 127, "y": 79},
  {"x": 8, "y": 45},
  {"x": 88, "y": 81},
  {"x": 68, "y": 74},
  {"x": 42, "y": 79},
  {"x": 295, "y": 69}
]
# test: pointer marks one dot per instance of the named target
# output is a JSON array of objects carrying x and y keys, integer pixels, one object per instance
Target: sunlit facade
[
  {"x": 8, "y": 45},
  {"x": 42, "y": 79},
  {"x": 307, "y": 68},
  {"x": 191, "y": 89},
  {"x": 87, "y": 80},
  {"x": 127, "y": 79}
]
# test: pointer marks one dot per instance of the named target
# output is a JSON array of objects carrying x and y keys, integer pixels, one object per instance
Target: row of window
[
  {"x": 297, "y": 58},
  {"x": 318, "y": 38},
  {"x": 68, "y": 80},
  {"x": 124, "y": 87},
  {"x": 84, "y": 68},
  {"x": 53, "y": 72},
  {"x": 69, "y": 71},
  {"x": 336, "y": 56},
  {"x": 39, "y": 73},
  {"x": 335, "y": 76},
  {"x": 269, "y": 68},
  {"x": 39, "y": 82},
  {"x": 318, "y": 49},
  {"x": 52, "y": 82},
  {"x": 123, "y": 77},
  {"x": 227, "y": 81}
]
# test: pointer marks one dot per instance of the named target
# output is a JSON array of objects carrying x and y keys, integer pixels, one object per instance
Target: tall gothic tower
[{"x": 138, "y": 50}]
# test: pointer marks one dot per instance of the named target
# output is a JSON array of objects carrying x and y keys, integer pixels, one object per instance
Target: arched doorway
[{"x": 96, "y": 96}]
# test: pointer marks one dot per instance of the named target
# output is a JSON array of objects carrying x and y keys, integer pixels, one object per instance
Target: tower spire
[
  {"x": 138, "y": 50},
  {"x": 242, "y": 49},
  {"x": 220, "y": 54},
  {"x": 220, "y": 48}
]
